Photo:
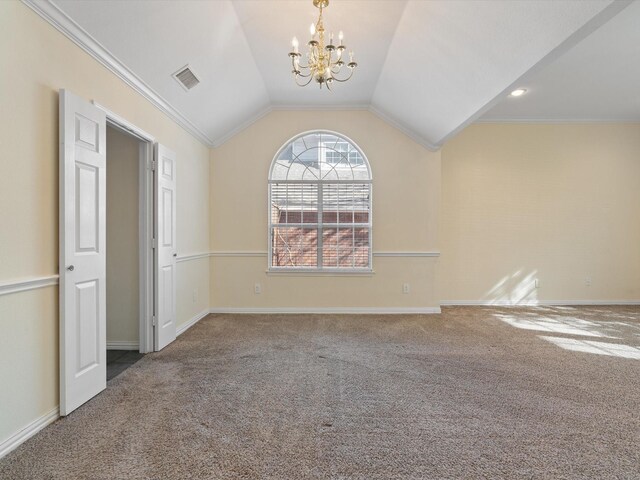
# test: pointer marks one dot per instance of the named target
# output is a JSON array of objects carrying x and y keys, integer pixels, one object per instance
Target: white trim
[
  {"x": 145, "y": 223},
  {"x": 117, "y": 121},
  {"x": 404, "y": 129},
  {"x": 244, "y": 125},
  {"x": 190, "y": 323},
  {"x": 557, "y": 121},
  {"x": 369, "y": 224},
  {"x": 238, "y": 254},
  {"x": 533, "y": 303},
  {"x": 193, "y": 256},
  {"x": 330, "y": 310},
  {"x": 325, "y": 272},
  {"x": 24, "y": 434},
  {"x": 67, "y": 26},
  {"x": 122, "y": 345},
  {"x": 29, "y": 284},
  {"x": 329, "y": 108},
  {"x": 146, "y": 220},
  {"x": 250, "y": 253},
  {"x": 406, "y": 254}
]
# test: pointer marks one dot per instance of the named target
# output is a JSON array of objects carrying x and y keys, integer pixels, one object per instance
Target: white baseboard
[
  {"x": 330, "y": 310},
  {"x": 191, "y": 322},
  {"x": 122, "y": 345},
  {"x": 21, "y": 436},
  {"x": 540, "y": 303}
]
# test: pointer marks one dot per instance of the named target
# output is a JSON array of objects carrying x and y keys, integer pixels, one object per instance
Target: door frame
[{"x": 146, "y": 224}]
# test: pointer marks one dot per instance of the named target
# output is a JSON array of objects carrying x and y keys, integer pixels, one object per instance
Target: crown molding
[
  {"x": 244, "y": 125},
  {"x": 556, "y": 121},
  {"x": 404, "y": 129},
  {"x": 330, "y": 108},
  {"x": 68, "y": 27}
]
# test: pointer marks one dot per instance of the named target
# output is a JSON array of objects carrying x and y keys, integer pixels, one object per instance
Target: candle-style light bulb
[
  {"x": 351, "y": 56},
  {"x": 294, "y": 44},
  {"x": 340, "y": 36},
  {"x": 331, "y": 38},
  {"x": 312, "y": 29}
]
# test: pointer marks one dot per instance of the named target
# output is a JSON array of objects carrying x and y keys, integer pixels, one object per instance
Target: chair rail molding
[
  {"x": 28, "y": 284},
  {"x": 260, "y": 253},
  {"x": 192, "y": 256}
]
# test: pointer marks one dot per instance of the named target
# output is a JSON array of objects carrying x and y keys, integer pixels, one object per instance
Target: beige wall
[
  {"x": 47, "y": 61},
  {"x": 557, "y": 203},
  {"x": 406, "y": 196},
  {"x": 123, "y": 290}
]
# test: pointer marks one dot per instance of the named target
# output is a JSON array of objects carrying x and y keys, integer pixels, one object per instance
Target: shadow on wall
[
  {"x": 566, "y": 323},
  {"x": 518, "y": 288}
]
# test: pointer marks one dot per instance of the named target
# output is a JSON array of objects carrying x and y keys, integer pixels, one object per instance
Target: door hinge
[
  {"x": 153, "y": 320},
  {"x": 153, "y": 165},
  {"x": 154, "y": 243}
]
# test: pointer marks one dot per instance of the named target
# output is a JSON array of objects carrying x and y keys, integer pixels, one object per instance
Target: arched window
[{"x": 320, "y": 205}]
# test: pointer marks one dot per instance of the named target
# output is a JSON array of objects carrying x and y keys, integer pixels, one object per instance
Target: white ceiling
[
  {"x": 429, "y": 67},
  {"x": 597, "y": 80}
]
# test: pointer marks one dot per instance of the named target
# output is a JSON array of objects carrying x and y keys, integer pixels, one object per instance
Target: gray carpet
[{"x": 473, "y": 393}]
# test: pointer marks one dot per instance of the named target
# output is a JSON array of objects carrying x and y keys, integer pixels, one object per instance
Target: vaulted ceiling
[{"x": 428, "y": 67}]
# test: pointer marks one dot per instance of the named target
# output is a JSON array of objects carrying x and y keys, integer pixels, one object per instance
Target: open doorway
[
  {"x": 84, "y": 245},
  {"x": 123, "y": 250}
]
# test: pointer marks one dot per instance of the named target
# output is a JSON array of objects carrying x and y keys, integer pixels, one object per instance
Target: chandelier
[{"x": 324, "y": 62}]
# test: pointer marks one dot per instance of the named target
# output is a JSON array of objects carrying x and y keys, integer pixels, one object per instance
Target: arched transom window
[{"x": 320, "y": 205}]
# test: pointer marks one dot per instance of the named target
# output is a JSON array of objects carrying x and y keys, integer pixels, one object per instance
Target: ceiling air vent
[{"x": 186, "y": 78}]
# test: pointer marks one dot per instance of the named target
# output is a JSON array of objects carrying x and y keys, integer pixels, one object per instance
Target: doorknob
[{"x": 71, "y": 268}]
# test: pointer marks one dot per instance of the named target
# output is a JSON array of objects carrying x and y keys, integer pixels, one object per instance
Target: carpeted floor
[{"x": 545, "y": 393}]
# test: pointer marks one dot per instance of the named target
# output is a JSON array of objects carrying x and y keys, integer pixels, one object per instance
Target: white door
[
  {"x": 165, "y": 252},
  {"x": 83, "y": 334}
]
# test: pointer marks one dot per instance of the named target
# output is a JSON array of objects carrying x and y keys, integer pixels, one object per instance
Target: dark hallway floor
[{"x": 119, "y": 360}]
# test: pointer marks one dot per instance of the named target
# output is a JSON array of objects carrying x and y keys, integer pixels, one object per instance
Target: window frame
[{"x": 320, "y": 225}]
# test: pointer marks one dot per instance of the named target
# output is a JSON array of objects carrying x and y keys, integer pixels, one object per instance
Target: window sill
[{"x": 320, "y": 273}]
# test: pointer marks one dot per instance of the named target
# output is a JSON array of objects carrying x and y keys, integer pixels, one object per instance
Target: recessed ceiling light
[{"x": 518, "y": 92}]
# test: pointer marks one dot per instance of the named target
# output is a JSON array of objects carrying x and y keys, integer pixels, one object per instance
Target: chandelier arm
[
  {"x": 344, "y": 79},
  {"x": 303, "y": 84}
]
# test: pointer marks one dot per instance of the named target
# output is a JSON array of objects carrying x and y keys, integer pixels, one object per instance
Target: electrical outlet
[
  {"x": 195, "y": 295},
  {"x": 257, "y": 289},
  {"x": 406, "y": 288},
  {"x": 587, "y": 281}
]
